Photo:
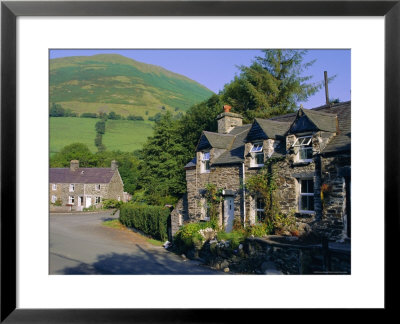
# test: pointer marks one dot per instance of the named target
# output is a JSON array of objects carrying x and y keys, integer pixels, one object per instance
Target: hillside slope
[{"x": 111, "y": 82}]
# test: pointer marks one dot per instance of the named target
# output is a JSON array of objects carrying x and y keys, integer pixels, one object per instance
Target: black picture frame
[{"x": 10, "y": 10}]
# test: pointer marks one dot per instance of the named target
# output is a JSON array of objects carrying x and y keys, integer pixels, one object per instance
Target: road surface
[{"x": 80, "y": 244}]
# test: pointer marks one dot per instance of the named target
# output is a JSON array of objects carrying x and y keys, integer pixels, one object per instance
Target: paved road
[{"x": 80, "y": 244}]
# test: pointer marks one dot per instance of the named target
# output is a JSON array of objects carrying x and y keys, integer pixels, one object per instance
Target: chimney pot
[
  {"x": 227, "y": 108},
  {"x": 74, "y": 165}
]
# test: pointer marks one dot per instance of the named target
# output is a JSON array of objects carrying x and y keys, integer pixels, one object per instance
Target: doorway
[
  {"x": 88, "y": 201},
  {"x": 228, "y": 213}
]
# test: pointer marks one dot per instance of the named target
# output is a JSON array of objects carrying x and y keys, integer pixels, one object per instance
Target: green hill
[{"x": 111, "y": 82}]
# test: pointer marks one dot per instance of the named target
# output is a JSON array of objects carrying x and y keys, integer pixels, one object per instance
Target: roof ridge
[
  {"x": 273, "y": 120},
  {"x": 216, "y": 133}
]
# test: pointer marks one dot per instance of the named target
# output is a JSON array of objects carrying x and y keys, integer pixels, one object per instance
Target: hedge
[{"x": 151, "y": 220}]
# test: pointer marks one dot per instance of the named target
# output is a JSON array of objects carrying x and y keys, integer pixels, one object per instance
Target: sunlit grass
[{"x": 114, "y": 223}]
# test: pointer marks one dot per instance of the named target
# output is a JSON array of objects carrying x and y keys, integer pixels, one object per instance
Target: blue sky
[{"x": 215, "y": 68}]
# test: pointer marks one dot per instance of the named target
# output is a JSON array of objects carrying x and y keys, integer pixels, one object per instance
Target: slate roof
[
  {"x": 236, "y": 152},
  {"x": 265, "y": 128},
  {"x": 324, "y": 121},
  {"x": 324, "y": 117},
  {"x": 215, "y": 140},
  {"x": 342, "y": 141},
  {"x": 81, "y": 175}
]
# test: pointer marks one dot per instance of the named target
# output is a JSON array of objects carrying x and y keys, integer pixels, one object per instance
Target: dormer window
[
  {"x": 257, "y": 155},
  {"x": 305, "y": 148},
  {"x": 205, "y": 162}
]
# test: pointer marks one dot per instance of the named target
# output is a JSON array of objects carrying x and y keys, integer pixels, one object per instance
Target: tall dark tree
[
  {"x": 163, "y": 157},
  {"x": 272, "y": 85}
]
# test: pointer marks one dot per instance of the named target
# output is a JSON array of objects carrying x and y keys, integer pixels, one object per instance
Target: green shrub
[
  {"x": 188, "y": 235},
  {"x": 258, "y": 230},
  {"x": 151, "y": 220},
  {"x": 88, "y": 115},
  {"x": 58, "y": 202},
  {"x": 111, "y": 203},
  {"x": 235, "y": 238}
]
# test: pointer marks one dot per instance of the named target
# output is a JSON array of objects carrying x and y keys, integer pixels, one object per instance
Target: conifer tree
[{"x": 272, "y": 85}]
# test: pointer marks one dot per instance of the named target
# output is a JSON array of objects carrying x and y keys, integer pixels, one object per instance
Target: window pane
[
  {"x": 307, "y": 141},
  {"x": 310, "y": 203},
  {"x": 260, "y": 203},
  {"x": 206, "y": 156},
  {"x": 304, "y": 186},
  {"x": 305, "y": 153},
  {"x": 308, "y": 153},
  {"x": 207, "y": 165},
  {"x": 256, "y": 148},
  {"x": 260, "y": 216},
  {"x": 310, "y": 186},
  {"x": 304, "y": 203},
  {"x": 260, "y": 158}
]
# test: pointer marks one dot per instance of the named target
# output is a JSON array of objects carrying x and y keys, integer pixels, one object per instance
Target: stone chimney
[
  {"x": 227, "y": 120},
  {"x": 114, "y": 165},
  {"x": 74, "y": 165}
]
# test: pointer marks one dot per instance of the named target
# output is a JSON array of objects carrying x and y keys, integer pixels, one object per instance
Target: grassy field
[
  {"x": 68, "y": 130},
  {"x": 126, "y": 135},
  {"x": 123, "y": 135}
]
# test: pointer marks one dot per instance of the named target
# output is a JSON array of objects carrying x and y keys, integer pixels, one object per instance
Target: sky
[{"x": 215, "y": 68}]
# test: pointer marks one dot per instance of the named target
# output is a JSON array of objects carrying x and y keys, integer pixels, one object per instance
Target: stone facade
[
  {"x": 77, "y": 188},
  {"x": 313, "y": 158}
]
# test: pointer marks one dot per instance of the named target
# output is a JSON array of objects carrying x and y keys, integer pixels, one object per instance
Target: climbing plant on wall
[
  {"x": 213, "y": 197},
  {"x": 264, "y": 185}
]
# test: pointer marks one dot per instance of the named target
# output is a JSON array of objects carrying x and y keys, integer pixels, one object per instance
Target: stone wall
[
  {"x": 223, "y": 177},
  {"x": 179, "y": 215},
  {"x": 265, "y": 256}
]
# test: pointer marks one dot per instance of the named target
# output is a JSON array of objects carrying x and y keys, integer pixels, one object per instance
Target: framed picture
[{"x": 172, "y": 300}]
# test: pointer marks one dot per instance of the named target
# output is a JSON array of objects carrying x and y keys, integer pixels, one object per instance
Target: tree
[
  {"x": 163, "y": 156},
  {"x": 100, "y": 127},
  {"x": 56, "y": 110},
  {"x": 198, "y": 118},
  {"x": 75, "y": 151},
  {"x": 272, "y": 85}
]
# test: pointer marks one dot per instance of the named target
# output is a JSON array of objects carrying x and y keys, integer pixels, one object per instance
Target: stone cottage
[
  {"x": 312, "y": 152},
  {"x": 78, "y": 188}
]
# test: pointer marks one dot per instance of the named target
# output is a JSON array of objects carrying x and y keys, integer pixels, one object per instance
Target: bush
[
  {"x": 58, "y": 202},
  {"x": 88, "y": 115},
  {"x": 189, "y": 236},
  {"x": 111, "y": 203},
  {"x": 133, "y": 117},
  {"x": 258, "y": 230},
  {"x": 235, "y": 238},
  {"x": 151, "y": 220}
]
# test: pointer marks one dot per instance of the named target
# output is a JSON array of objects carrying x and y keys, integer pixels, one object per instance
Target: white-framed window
[
  {"x": 304, "y": 144},
  {"x": 306, "y": 195},
  {"x": 260, "y": 210},
  {"x": 54, "y": 186},
  {"x": 71, "y": 200},
  {"x": 205, "y": 162},
  {"x": 53, "y": 199},
  {"x": 98, "y": 200},
  {"x": 97, "y": 187},
  {"x": 257, "y": 155},
  {"x": 71, "y": 187}
]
